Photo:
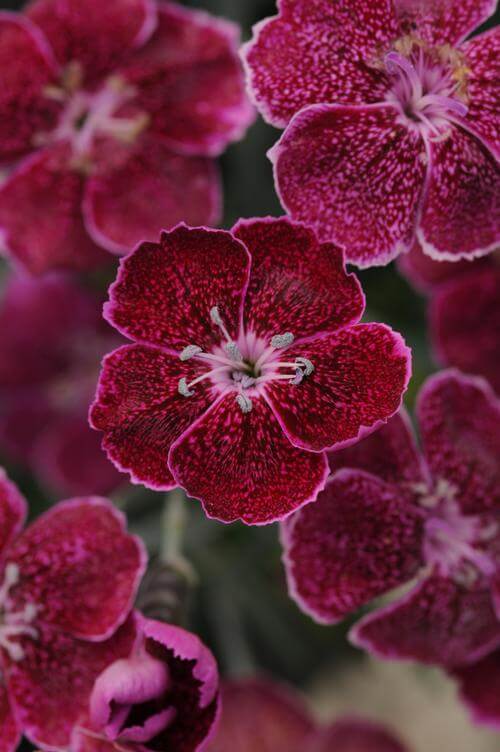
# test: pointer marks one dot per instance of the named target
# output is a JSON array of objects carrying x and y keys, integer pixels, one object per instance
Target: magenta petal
[
  {"x": 443, "y": 21},
  {"x": 27, "y": 66},
  {"x": 459, "y": 420},
  {"x": 318, "y": 51},
  {"x": 461, "y": 212},
  {"x": 13, "y": 511},
  {"x": 355, "y": 735},
  {"x": 480, "y": 689},
  {"x": 96, "y": 36},
  {"x": 437, "y": 622},
  {"x": 140, "y": 410},
  {"x": 79, "y": 567},
  {"x": 426, "y": 274},
  {"x": 465, "y": 323},
  {"x": 164, "y": 291},
  {"x": 296, "y": 284},
  {"x": 355, "y": 175},
  {"x": 483, "y": 60},
  {"x": 41, "y": 222},
  {"x": 359, "y": 377},
  {"x": 361, "y": 538},
  {"x": 190, "y": 81},
  {"x": 149, "y": 190},
  {"x": 242, "y": 466},
  {"x": 50, "y": 687},
  {"x": 10, "y": 733}
]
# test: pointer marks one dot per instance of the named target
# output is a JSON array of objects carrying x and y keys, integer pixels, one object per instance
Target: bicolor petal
[
  {"x": 443, "y": 21},
  {"x": 483, "y": 55}
]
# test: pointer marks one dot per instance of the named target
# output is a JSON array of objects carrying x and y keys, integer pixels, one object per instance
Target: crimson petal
[
  {"x": 10, "y": 733},
  {"x": 443, "y": 21},
  {"x": 13, "y": 511},
  {"x": 483, "y": 61}
]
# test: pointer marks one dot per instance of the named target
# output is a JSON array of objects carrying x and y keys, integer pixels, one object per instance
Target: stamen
[
  {"x": 306, "y": 364},
  {"x": 245, "y": 403},
  {"x": 248, "y": 381},
  {"x": 190, "y": 351},
  {"x": 279, "y": 341},
  {"x": 233, "y": 351},
  {"x": 11, "y": 578},
  {"x": 183, "y": 388},
  {"x": 217, "y": 319}
]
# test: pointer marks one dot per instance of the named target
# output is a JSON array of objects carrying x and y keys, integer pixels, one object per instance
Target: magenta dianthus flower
[
  {"x": 247, "y": 363},
  {"x": 391, "y": 122},
  {"x": 116, "y": 111},
  {"x": 389, "y": 515}
]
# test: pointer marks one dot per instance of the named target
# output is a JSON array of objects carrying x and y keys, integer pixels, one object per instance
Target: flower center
[
  {"x": 245, "y": 367},
  {"x": 429, "y": 86},
  {"x": 455, "y": 544},
  {"x": 14, "y": 624}
]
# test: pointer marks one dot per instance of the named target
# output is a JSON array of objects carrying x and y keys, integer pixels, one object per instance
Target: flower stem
[{"x": 173, "y": 525}]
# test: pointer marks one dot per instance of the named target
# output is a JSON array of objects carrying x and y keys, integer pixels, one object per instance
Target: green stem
[{"x": 173, "y": 525}]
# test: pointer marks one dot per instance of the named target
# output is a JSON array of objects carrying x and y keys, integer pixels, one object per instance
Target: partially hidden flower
[
  {"x": 247, "y": 363},
  {"x": 111, "y": 115},
  {"x": 164, "y": 695},
  {"x": 391, "y": 122},
  {"x": 261, "y": 715},
  {"x": 463, "y": 312},
  {"x": 67, "y": 585},
  {"x": 391, "y": 517},
  {"x": 479, "y": 688},
  {"x": 52, "y": 339}
]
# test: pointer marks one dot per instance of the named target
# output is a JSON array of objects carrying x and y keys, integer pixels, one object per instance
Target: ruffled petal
[
  {"x": 190, "y": 81},
  {"x": 461, "y": 211},
  {"x": 389, "y": 453},
  {"x": 242, "y": 466},
  {"x": 140, "y": 410},
  {"x": 151, "y": 189},
  {"x": 480, "y": 689},
  {"x": 438, "y": 622},
  {"x": 459, "y": 420},
  {"x": 359, "y": 378},
  {"x": 359, "y": 540},
  {"x": 13, "y": 511},
  {"x": 355, "y": 175},
  {"x": 443, "y": 21},
  {"x": 165, "y": 291},
  {"x": 10, "y": 733},
  {"x": 465, "y": 323},
  {"x": 79, "y": 567},
  {"x": 483, "y": 61},
  {"x": 41, "y": 223},
  {"x": 296, "y": 284},
  {"x": 426, "y": 274},
  {"x": 27, "y": 66},
  {"x": 94, "y": 35},
  {"x": 318, "y": 51},
  {"x": 50, "y": 687},
  {"x": 355, "y": 735}
]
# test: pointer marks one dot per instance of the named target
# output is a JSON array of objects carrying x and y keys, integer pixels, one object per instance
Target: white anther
[
  {"x": 184, "y": 389},
  {"x": 245, "y": 403},
  {"x": 306, "y": 365},
  {"x": 247, "y": 381},
  {"x": 299, "y": 377},
  {"x": 11, "y": 578},
  {"x": 237, "y": 375},
  {"x": 233, "y": 351},
  {"x": 190, "y": 351},
  {"x": 282, "y": 340},
  {"x": 216, "y": 317}
]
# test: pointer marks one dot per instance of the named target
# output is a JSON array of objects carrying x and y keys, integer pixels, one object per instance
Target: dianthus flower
[
  {"x": 391, "y": 122},
  {"x": 67, "y": 584},
  {"x": 389, "y": 515},
  {"x": 52, "y": 339},
  {"x": 259, "y": 714},
  {"x": 464, "y": 310},
  {"x": 115, "y": 111},
  {"x": 247, "y": 363},
  {"x": 163, "y": 696}
]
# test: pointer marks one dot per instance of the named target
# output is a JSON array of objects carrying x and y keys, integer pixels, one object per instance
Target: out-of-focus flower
[
  {"x": 464, "y": 310},
  {"x": 247, "y": 363},
  {"x": 389, "y": 515},
  {"x": 480, "y": 689},
  {"x": 259, "y": 715},
  {"x": 116, "y": 111},
  {"x": 391, "y": 122},
  {"x": 52, "y": 339},
  {"x": 67, "y": 585}
]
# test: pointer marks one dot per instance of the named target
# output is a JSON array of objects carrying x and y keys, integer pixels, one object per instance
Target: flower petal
[
  {"x": 296, "y": 284},
  {"x": 95, "y": 36},
  {"x": 355, "y": 175},
  {"x": 461, "y": 212},
  {"x": 389, "y": 453},
  {"x": 480, "y": 689},
  {"x": 13, "y": 511},
  {"x": 355, "y": 735},
  {"x": 361, "y": 538},
  {"x": 318, "y": 51},
  {"x": 465, "y": 323},
  {"x": 140, "y": 410},
  {"x": 27, "y": 67},
  {"x": 190, "y": 81},
  {"x": 41, "y": 223},
  {"x": 483, "y": 61},
  {"x": 426, "y": 274},
  {"x": 79, "y": 567},
  {"x": 360, "y": 375},
  {"x": 164, "y": 291},
  {"x": 242, "y": 466},
  {"x": 438, "y": 622},
  {"x": 50, "y": 687},
  {"x": 150, "y": 190},
  {"x": 443, "y": 21},
  {"x": 10, "y": 733},
  {"x": 459, "y": 420}
]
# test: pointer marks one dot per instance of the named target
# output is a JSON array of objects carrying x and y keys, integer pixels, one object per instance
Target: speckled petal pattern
[
  {"x": 483, "y": 59},
  {"x": 13, "y": 511},
  {"x": 479, "y": 686},
  {"x": 10, "y": 733},
  {"x": 443, "y": 21}
]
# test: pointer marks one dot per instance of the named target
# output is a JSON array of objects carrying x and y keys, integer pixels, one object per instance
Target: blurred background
[{"x": 239, "y": 604}]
